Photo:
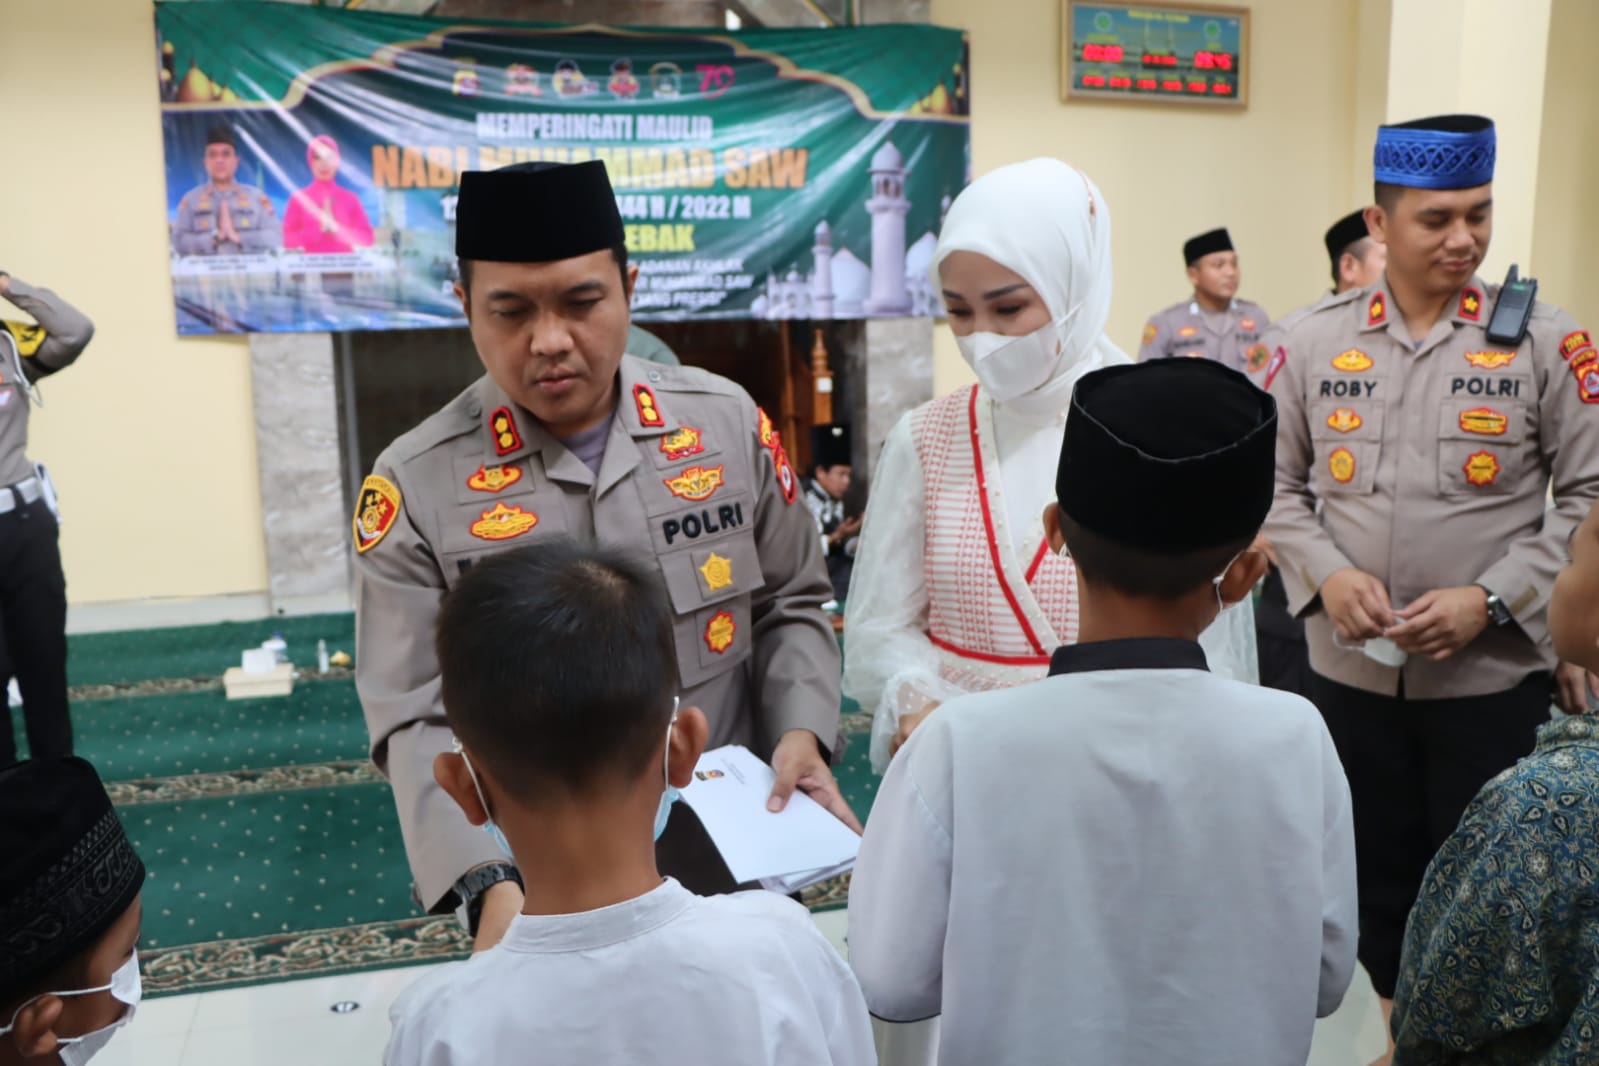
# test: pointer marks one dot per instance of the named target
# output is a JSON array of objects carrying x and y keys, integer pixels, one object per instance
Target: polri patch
[
  {"x": 1341, "y": 465},
  {"x": 696, "y": 483},
  {"x": 682, "y": 443},
  {"x": 786, "y": 481},
  {"x": 502, "y": 523},
  {"x": 717, "y": 572},
  {"x": 1353, "y": 361},
  {"x": 503, "y": 425},
  {"x": 1345, "y": 420},
  {"x": 1484, "y": 421},
  {"x": 720, "y": 631},
  {"x": 1572, "y": 343},
  {"x": 1491, "y": 360},
  {"x": 378, "y": 507},
  {"x": 768, "y": 433},
  {"x": 1482, "y": 468},
  {"x": 649, "y": 412},
  {"x": 494, "y": 478}
]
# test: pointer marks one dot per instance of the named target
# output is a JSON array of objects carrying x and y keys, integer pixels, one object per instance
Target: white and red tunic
[
  {"x": 955, "y": 589},
  {"x": 993, "y": 614}
]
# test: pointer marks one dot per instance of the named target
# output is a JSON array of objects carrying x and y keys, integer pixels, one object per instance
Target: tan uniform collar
[{"x": 1470, "y": 308}]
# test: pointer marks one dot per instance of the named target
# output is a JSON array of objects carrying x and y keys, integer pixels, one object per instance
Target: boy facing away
[
  {"x": 559, "y": 674},
  {"x": 1130, "y": 861}
]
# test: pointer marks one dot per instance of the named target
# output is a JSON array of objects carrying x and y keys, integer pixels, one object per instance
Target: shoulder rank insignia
[
  {"x": 1481, "y": 468},
  {"x": 1353, "y": 361},
  {"x": 719, "y": 632},
  {"x": 502, "y": 523},
  {"x": 681, "y": 443},
  {"x": 28, "y": 338},
  {"x": 503, "y": 425},
  {"x": 696, "y": 483},
  {"x": 1470, "y": 304},
  {"x": 378, "y": 505},
  {"x": 1491, "y": 360},
  {"x": 717, "y": 572},
  {"x": 494, "y": 478},
  {"x": 768, "y": 434},
  {"x": 1376, "y": 310},
  {"x": 649, "y": 413},
  {"x": 1273, "y": 368},
  {"x": 1259, "y": 355},
  {"x": 1150, "y": 333},
  {"x": 1570, "y": 344},
  {"x": 1345, "y": 420},
  {"x": 1341, "y": 465},
  {"x": 1485, "y": 421}
]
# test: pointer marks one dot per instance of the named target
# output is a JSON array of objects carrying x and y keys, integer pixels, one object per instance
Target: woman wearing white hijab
[{"x": 954, "y": 587}]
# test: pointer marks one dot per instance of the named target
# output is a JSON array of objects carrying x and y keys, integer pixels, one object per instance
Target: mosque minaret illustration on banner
[{"x": 839, "y": 284}]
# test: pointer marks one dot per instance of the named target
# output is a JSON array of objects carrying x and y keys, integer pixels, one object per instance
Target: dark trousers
[
  {"x": 33, "y": 630},
  {"x": 1413, "y": 766},
  {"x": 1280, "y": 640}
]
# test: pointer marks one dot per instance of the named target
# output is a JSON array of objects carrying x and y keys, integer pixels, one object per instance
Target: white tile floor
[{"x": 294, "y": 1023}]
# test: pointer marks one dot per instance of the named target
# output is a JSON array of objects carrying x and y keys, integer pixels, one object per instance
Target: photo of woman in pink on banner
[{"x": 324, "y": 217}]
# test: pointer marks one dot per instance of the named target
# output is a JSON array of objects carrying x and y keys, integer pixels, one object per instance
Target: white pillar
[
  {"x": 822, "y": 279},
  {"x": 888, "y": 208}
]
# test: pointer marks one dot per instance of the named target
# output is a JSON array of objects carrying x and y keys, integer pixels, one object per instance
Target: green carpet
[{"x": 272, "y": 844}]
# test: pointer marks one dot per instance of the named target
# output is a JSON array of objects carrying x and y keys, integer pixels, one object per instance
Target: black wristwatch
[
  {"x": 1498, "y": 613},
  {"x": 476, "y": 881}
]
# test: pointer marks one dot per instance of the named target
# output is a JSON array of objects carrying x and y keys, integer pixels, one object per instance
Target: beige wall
[
  {"x": 1275, "y": 174},
  {"x": 151, "y": 439},
  {"x": 1566, "y": 225}
]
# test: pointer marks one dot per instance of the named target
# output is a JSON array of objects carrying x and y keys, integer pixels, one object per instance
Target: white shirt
[
  {"x": 890, "y": 667},
  {"x": 1136, "y": 862},
  {"x": 740, "y": 980}
]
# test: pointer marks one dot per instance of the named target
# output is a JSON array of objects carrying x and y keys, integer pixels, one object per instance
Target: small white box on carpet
[{"x": 242, "y": 684}]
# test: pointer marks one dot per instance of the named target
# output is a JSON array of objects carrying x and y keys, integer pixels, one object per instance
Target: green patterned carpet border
[{"x": 242, "y": 782}]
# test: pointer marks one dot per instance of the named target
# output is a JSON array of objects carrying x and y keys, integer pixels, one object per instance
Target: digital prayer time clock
[{"x": 1177, "y": 53}]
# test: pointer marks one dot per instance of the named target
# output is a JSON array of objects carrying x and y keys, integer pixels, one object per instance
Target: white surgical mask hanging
[{"x": 125, "y": 987}]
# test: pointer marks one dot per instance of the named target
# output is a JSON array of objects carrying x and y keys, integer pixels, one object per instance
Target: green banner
[{"x": 313, "y": 157}]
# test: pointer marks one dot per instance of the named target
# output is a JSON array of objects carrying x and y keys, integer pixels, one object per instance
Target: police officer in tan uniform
[
  {"x": 1356, "y": 260},
  {"x": 1214, "y": 323},
  {"x": 225, "y": 216},
  {"x": 1414, "y": 456},
  {"x": 566, "y": 435},
  {"x": 33, "y": 589}
]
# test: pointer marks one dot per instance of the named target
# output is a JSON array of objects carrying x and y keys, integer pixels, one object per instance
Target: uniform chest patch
[
  {"x": 720, "y": 631},
  {"x": 1341, "y": 465},
  {"x": 1188, "y": 331},
  {"x": 377, "y": 507},
  {"x": 717, "y": 572},
  {"x": 1247, "y": 325},
  {"x": 494, "y": 478},
  {"x": 1482, "y": 468},
  {"x": 502, "y": 523},
  {"x": 696, "y": 483},
  {"x": 1491, "y": 360},
  {"x": 1345, "y": 420},
  {"x": 1259, "y": 355},
  {"x": 1353, "y": 361},
  {"x": 681, "y": 444},
  {"x": 1484, "y": 420}
]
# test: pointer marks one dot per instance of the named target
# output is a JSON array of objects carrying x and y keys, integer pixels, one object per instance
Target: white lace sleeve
[
  {"x": 890, "y": 667},
  {"x": 1229, "y": 644}
]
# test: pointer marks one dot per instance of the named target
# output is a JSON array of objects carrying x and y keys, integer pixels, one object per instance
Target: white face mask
[
  {"x": 125, "y": 988},
  {"x": 1012, "y": 367}
]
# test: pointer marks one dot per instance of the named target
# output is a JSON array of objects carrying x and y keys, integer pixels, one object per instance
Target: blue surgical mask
[{"x": 488, "y": 827}]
